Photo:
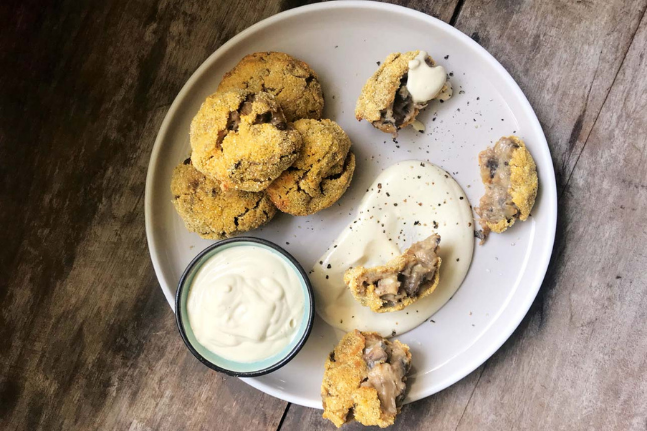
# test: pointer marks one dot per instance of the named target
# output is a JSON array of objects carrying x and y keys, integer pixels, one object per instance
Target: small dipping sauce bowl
[{"x": 243, "y": 367}]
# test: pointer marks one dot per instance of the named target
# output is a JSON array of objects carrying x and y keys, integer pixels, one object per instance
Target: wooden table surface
[{"x": 87, "y": 340}]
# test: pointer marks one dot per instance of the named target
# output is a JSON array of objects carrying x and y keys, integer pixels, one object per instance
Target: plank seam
[
  {"x": 604, "y": 102},
  {"x": 285, "y": 413},
  {"x": 470, "y": 398},
  {"x": 457, "y": 12}
]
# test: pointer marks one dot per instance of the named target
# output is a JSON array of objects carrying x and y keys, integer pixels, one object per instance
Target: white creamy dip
[
  {"x": 245, "y": 303},
  {"x": 406, "y": 203},
  {"x": 425, "y": 82}
]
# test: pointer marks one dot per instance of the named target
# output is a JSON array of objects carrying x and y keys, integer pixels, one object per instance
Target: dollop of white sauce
[
  {"x": 245, "y": 303},
  {"x": 424, "y": 82},
  {"x": 418, "y": 126},
  {"x": 406, "y": 203}
]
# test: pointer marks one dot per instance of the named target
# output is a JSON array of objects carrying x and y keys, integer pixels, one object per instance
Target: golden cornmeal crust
[
  {"x": 242, "y": 140},
  {"x": 369, "y": 298},
  {"x": 523, "y": 186},
  {"x": 379, "y": 91},
  {"x": 213, "y": 213},
  {"x": 295, "y": 86},
  {"x": 321, "y": 174},
  {"x": 345, "y": 370}
]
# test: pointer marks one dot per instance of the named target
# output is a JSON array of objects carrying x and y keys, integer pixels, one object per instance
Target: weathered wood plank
[
  {"x": 87, "y": 340},
  {"x": 563, "y": 55},
  {"x": 579, "y": 361},
  {"x": 441, "y": 9}
]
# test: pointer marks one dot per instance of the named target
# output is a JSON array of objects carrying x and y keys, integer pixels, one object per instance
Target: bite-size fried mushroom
[
  {"x": 399, "y": 283},
  {"x": 509, "y": 174},
  {"x": 385, "y": 100},
  {"x": 365, "y": 380}
]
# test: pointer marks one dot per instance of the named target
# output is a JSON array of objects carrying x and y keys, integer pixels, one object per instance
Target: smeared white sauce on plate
[{"x": 406, "y": 203}]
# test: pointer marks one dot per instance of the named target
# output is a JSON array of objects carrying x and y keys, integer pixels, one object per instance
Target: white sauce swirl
[
  {"x": 406, "y": 203},
  {"x": 245, "y": 303},
  {"x": 424, "y": 82}
]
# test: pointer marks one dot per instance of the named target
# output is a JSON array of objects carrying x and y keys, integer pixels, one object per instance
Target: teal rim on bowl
[{"x": 235, "y": 368}]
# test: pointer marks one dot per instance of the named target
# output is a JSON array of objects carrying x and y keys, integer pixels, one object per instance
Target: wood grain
[
  {"x": 87, "y": 340},
  {"x": 579, "y": 362}
]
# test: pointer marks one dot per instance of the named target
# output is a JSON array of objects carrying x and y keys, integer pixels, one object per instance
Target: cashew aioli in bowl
[{"x": 245, "y": 303}]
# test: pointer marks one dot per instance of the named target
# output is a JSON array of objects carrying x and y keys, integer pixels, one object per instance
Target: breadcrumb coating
[
  {"x": 213, "y": 213},
  {"x": 294, "y": 84},
  {"x": 343, "y": 396},
  {"x": 242, "y": 140},
  {"x": 320, "y": 175},
  {"x": 499, "y": 209}
]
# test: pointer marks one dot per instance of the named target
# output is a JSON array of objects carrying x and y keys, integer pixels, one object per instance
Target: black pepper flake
[
  {"x": 435, "y": 225},
  {"x": 379, "y": 185},
  {"x": 321, "y": 262},
  {"x": 378, "y": 63},
  {"x": 422, "y": 164},
  {"x": 387, "y": 193},
  {"x": 395, "y": 205},
  {"x": 618, "y": 277},
  {"x": 393, "y": 333},
  {"x": 446, "y": 57},
  {"x": 416, "y": 223},
  {"x": 327, "y": 277},
  {"x": 432, "y": 321},
  {"x": 458, "y": 260},
  {"x": 461, "y": 198},
  {"x": 329, "y": 266}
]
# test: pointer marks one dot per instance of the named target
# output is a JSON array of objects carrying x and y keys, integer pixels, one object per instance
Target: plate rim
[{"x": 549, "y": 190}]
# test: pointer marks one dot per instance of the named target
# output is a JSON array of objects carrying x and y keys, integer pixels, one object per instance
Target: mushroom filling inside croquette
[
  {"x": 402, "y": 109},
  {"x": 496, "y": 204},
  {"x": 271, "y": 116},
  {"x": 419, "y": 272},
  {"x": 388, "y": 365}
]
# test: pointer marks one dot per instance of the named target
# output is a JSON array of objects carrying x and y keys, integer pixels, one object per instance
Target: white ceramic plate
[{"x": 342, "y": 41}]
